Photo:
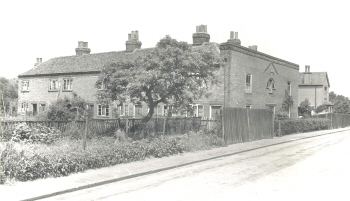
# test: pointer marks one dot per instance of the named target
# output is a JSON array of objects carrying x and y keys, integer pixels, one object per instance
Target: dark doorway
[{"x": 35, "y": 109}]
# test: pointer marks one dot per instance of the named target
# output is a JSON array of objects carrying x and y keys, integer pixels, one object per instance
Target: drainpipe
[{"x": 315, "y": 99}]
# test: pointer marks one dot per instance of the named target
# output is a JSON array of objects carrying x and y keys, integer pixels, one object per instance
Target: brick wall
[{"x": 239, "y": 64}]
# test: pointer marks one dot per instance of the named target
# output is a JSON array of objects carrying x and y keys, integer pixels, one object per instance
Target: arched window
[{"x": 271, "y": 85}]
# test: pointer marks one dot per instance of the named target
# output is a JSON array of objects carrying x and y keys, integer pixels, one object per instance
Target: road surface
[{"x": 310, "y": 169}]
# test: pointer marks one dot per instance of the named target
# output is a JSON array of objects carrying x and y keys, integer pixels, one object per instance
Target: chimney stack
[
  {"x": 307, "y": 68},
  {"x": 201, "y": 36},
  {"x": 253, "y": 47},
  {"x": 133, "y": 41},
  {"x": 234, "y": 38},
  {"x": 38, "y": 61},
  {"x": 82, "y": 48}
]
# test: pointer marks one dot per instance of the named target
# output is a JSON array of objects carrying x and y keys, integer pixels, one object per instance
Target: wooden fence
[
  {"x": 337, "y": 120},
  {"x": 244, "y": 125}
]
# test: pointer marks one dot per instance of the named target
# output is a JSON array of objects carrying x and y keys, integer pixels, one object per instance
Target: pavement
[{"x": 46, "y": 188}]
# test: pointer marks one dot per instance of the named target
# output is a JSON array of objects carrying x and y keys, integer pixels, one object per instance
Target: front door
[{"x": 35, "y": 109}]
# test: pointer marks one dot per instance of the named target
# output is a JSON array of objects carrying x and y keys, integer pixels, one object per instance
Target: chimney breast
[
  {"x": 82, "y": 48},
  {"x": 201, "y": 36},
  {"x": 133, "y": 41},
  {"x": 38, "y": 61}
]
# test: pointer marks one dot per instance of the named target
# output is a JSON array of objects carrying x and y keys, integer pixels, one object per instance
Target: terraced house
[{"x": 248, "y": 79}]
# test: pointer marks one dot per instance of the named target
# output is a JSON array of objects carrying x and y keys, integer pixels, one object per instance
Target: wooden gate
[{"x": 244, "y": 125}]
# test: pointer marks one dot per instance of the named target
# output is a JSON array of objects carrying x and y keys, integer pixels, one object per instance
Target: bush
[
  {"x": 42, "y": 134},
  {"x": 24, "y": 161},
  {"x": 291, "y": 126}
]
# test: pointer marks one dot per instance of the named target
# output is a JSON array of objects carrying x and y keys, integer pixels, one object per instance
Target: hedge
[
  {"x": 25, "y": 161},
  {"x": 291, "y": 126}
]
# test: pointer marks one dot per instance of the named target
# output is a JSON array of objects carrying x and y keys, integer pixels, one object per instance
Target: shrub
[
  {"x": 24, "y": 161},
  {"x": 291, "y": 126},
  {"x": 42, "y": 134}
]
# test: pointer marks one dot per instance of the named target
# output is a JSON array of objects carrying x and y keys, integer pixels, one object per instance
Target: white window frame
[
  {"x": 210, "y": 109},
  {"x": 248, "y": 86},
  {"x": 160, "y": 110},
  {"x": 24, "y": 107},
  {"x": 103, "y": 110},
  {"x": 196, "y": 110},
  {"x": 25, "y": 85},
  {"x": 103, "y": 85},
  {"x": 67, "y": 84},
  {"x": 271, "y": 85},
  {"x": 54, "y": 85}
]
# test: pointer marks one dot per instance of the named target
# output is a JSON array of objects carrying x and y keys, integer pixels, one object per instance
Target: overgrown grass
[{"x": 25, "y": 161}]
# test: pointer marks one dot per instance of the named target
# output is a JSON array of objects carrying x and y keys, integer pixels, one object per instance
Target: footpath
[{"x": 45, "y": 188}]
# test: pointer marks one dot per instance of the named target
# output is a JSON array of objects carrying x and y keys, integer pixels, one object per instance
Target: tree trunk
[{"x": 150, "y": 113}]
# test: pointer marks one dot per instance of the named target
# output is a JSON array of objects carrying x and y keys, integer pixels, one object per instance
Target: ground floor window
[
  {"x": 215, "y": 111},
  {"x": 103, "y": 110},
  {"x": 24, "y": 107},
  {"x": 196, "y": 111},
  {"x": 138, "y": 110}
]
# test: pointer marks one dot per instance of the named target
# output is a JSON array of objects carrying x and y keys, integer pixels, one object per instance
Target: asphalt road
[{"x": 310, "y": 169}]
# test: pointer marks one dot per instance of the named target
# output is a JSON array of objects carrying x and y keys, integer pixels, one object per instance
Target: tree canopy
[
  {"x": 304, "y": 108},
  {"x": 172, "y": 73},
  {"x": 341, "y": 103},
  {"x": 8, "y": 93}
]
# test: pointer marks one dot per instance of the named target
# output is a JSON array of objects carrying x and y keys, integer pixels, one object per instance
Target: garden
[{"x": 30, "y": 153}]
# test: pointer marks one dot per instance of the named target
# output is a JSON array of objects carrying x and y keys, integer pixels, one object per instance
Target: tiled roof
[
  {"x": 317, "y": 78},
  {"x": 92, "y": 62},
  {"x": 84, "y": 63}
]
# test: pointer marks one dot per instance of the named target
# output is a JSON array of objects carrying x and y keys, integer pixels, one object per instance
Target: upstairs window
[
  {"x": 103, "y": 110},
  {"x": 25, "y": 85},
  {"x": 290, "y": 88},
  {"x": 67, "y": 84},
  {"x": 54, "y": 85},
  {"x": 248, "y": 83},
  {"x": 271, "y": 85}
]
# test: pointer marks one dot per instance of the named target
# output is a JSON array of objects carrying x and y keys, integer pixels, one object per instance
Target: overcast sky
[{"x": 314, "y": 33}]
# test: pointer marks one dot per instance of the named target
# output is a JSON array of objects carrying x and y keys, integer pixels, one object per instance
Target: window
[
  {"x": 248, "y": 83},
  {"x": 124, "y": 110},
  {"x": 25, "y": 85},
  {"x": 248, "y": 107},
  {"x": 42, "y": 107},
  {"x": 54, "y": 85},
  {"x": 138, "y": 111},
  {"x": 216, "y": 111},
  {"x": 197, "y": 111},
  {"x": 103, "y": 85},
  {"x": 271, "y": 85},
  {"x": 24, "y": 107},
  {"x": 67, "y": 84},
  {"x": 290, "y": 88},
  {"x": 103, "y": 110}
]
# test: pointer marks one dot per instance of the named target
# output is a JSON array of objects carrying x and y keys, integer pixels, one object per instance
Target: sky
[{"x": 314, "y": 33}]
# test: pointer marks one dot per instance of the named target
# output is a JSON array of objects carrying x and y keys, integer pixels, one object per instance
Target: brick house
[
  {"x": 251, "y": 79},
  {"x": 314, "y": 86}
]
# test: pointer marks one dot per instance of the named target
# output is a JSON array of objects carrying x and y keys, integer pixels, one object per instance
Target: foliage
[
  {"x": 67, "y": 109},
  {"x": 172, "y": 73},
  {"x": 290, "y": 126},
  {"x": 321, "y": 108},
  {"x": 41, "y": 134},
  {"x": 341, "y": 103},
  {"x": 8, "y": 93},
  {"x": 281, "y": 114},
  {"x": 305, "y": 109},
  {"x": 287, "y": 101},
  {"x": 27, "y": 161}
]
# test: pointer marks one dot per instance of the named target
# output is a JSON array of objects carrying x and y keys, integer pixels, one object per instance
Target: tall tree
[
  {"x": 341, "y": 104},
  {"x": 172, "y": 73},
  {"x": 8, "y": 92}
]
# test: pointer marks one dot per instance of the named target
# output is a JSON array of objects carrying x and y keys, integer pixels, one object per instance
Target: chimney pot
[
  {"x": 232, "y": 35},
  {"x": 307, "y": 68},
  {"x": 236, "y": 35}
]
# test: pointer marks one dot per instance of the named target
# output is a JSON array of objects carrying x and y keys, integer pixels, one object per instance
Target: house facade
[
  {"x": 248, "y": 79},
  {"x": 314, "y": 86}
]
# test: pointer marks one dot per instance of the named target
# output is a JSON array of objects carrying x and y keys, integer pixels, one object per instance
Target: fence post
[
  {"x": 279, "y": 128},
  {"x": 155, "y": 126},
  {"x": 164, "y": 125},
  {"x": 86, "y": 130},
  {"x": 133, "y": 126},
  {"x": 273, "y": 124},
  {"x": 248, "y": 113},
  {"x": 127, "y": 126}
]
